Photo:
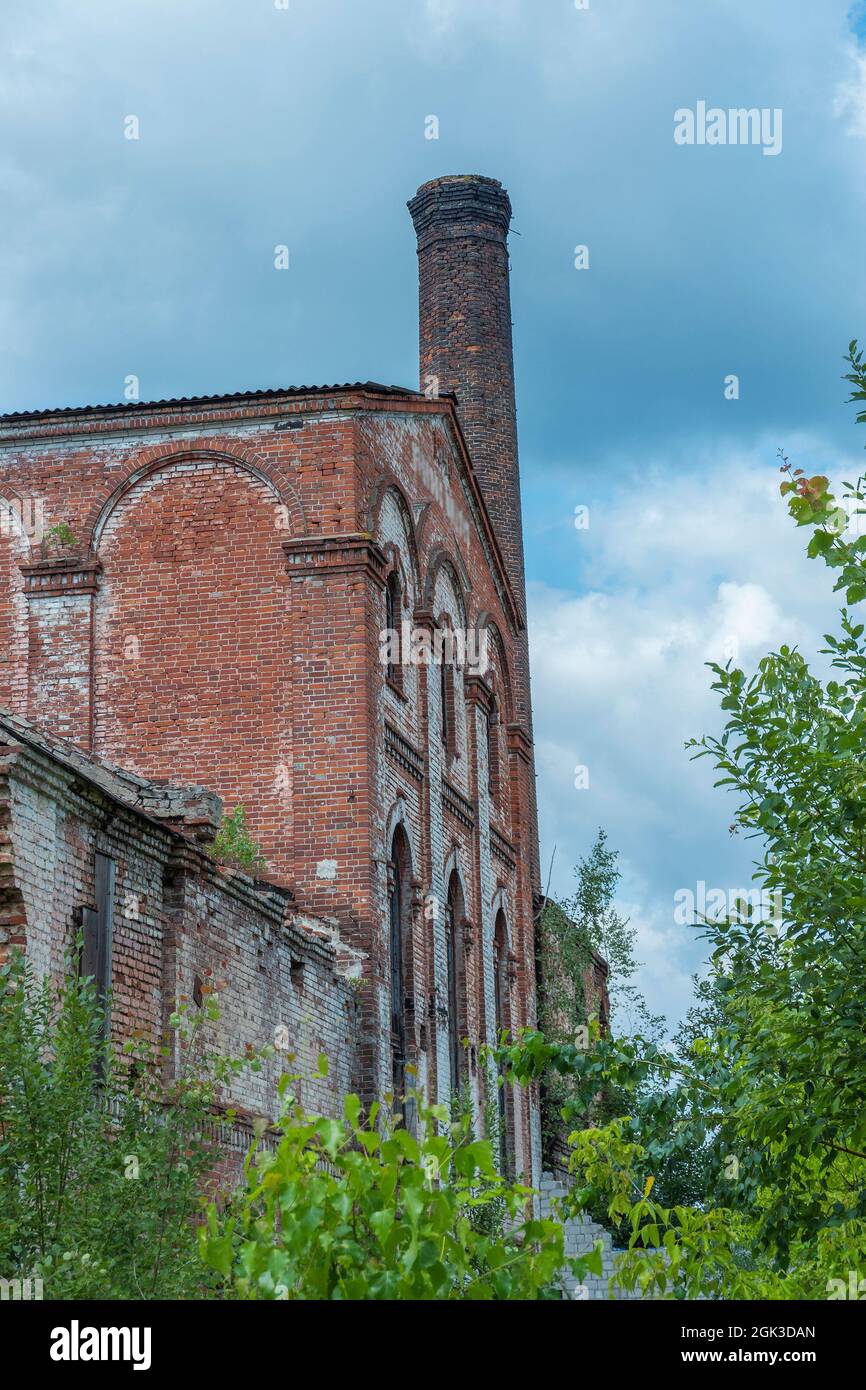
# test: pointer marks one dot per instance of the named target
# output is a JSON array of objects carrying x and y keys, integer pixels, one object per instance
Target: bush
[
  {"x": 235, "y": 847},
  {"x": 100, "y": 1166},
  {"x": 344, "y": 1210}
]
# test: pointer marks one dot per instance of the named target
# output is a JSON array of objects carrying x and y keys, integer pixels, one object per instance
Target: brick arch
[
  {"x": 503, "y": 686},
  {"x": 440, "y": 559},
  {"x": 454, "y": 866},
  {"x": 192, "y": 641},
  {"x": 499, "y": 903},
  {"x": 399, "y": 816},
  {"x": 166, "y": 456},
  {"x": 390, "y": 483}
]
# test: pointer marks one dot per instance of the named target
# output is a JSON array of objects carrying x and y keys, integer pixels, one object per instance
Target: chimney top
[{"x": 462, "y": 199}]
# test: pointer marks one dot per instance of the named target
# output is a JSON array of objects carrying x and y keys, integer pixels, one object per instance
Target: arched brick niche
[
  {"x": 15, "y": 550},
  {"x": 192, "y": 651}
]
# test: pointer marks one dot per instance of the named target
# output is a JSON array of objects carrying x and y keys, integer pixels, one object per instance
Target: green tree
[
  {"x": 234, "y": 846},
  {"x": 572, "y": 935},
  {"x": 772, "y": 1080}
]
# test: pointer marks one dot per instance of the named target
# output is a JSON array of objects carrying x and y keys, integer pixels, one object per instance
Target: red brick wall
[
  {"x": 176, "y": 917},
  {"x": 191, "y": 640},
  {"x": 236, "y": 624}
]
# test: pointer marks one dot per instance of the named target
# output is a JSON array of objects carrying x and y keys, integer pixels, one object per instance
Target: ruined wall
[
  {"x": 218, "y": 620},
  {"x": 458, "y": 818},
  {"x": 179, "y": 923}
]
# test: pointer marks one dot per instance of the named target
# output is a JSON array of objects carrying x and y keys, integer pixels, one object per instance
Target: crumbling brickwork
[
  {"x": 179, "y": 921},
  {"x": 218, "y": 619}
]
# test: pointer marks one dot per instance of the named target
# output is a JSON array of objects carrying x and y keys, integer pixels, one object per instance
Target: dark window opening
[
  {"x": 493, "y": 750},
  {"x": 399, "y": 876},
  {"x": 499, "y": 978},
  {"x": 446, "y": 694},
  {"x": 453, "y": 923},
  {"x": 393, "y": 605},
  {"x": 97, "y": 925}
]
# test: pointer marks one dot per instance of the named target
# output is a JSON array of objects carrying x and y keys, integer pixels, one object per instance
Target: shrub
[
  {"x": 234, "y": 846},
  {"x": 101, "y": 1166},
  {"x": 345, "y": 1210}
]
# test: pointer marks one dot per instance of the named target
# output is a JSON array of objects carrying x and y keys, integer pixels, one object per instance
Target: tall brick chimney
[{"x": 462, "y": 224}]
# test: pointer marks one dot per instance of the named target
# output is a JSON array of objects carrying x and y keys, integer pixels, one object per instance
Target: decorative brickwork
[{"x": 223, "y": 626}]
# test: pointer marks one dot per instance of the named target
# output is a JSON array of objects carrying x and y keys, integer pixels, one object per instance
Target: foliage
[
  {"x": 361, "y": 1208},
  {"x": 100, "y": 1166},
  {"x": 571, "y": 934},
  {"x": 234, "y": 846},
  {"x": 573, "y": 930},
  {"x": 62, "y": 536},
  {"x": 769, "y": 1076}
]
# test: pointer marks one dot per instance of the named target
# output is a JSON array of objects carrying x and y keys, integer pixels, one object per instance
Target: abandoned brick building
[{"x": 193, "y": 595}]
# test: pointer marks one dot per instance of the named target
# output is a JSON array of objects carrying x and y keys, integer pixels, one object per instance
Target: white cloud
[
  {"x": 685, "y": 567},
  {"x": 849, "y": 102},
  {"x": 441, "y": 15}
]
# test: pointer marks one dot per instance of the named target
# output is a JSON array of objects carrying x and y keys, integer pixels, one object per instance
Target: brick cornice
[
  {"x": 458, "y": 805},
  {"x": 519, "y": 742},
  {"x": 62, "y": 577},
  {"x": 403, "y": 752},
  {"x": 344, "y": 554},
  {"x": 478, "y": 693}
]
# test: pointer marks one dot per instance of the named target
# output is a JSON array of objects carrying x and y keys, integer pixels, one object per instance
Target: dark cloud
[{"x": 262, "y": 126}]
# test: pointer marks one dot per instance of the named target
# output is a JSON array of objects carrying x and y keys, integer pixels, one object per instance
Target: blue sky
[
  {"x": 857, "y": 20},
  {"x": 306, "y": 127}
]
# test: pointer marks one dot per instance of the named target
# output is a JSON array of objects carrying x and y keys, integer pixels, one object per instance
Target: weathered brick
[{"x": 219, "y": 625}]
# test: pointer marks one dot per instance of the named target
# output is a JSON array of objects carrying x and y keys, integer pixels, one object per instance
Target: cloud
[
  {"x": 684, "y": 567},
  {"x": 849, "y": 102},
  {"x": 306, "y": 127}
]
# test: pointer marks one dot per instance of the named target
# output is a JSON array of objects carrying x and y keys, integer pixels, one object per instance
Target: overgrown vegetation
[
  {"x": 360, "y": 1208},
  {"x": 61, "y": 536},
  {"x": 768, "y": 1078},
  {"x": 105, "y": 1167},
  {"x": 101, "y": 1164},
  {"x": 572, "y": 934},
  {"x": 234, "y": 846}
]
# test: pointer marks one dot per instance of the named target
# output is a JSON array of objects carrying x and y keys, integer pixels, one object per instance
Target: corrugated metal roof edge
[{"x": 375, "y": 387}]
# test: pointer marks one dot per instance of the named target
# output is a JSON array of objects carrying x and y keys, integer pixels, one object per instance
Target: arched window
[
  {"x": 453, "y": 923},
  {"x": 445, "y": 678},
  {"x": 393, "y": 604},
  {"x": 398, "y": 885},
  {"x": 446, "y": 653},
  {"x": 500, "y": 965},
  {"x": 493, "y": 749}
]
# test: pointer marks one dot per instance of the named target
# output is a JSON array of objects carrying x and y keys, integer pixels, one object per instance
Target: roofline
[
  {"x": 55, "y": 424},
  {"x": 518, "y": 619},
  {"x": 275, "y": 393}
]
